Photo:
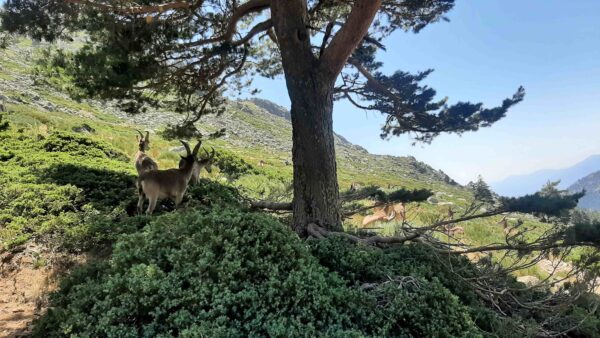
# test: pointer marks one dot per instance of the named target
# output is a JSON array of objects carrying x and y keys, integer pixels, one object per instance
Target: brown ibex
[
  {"x": 386, "y": 213},
  {"x": 170, "y": 183},
  {"x": 143, "y": 162},
  {"x": 205, "y": 163}
]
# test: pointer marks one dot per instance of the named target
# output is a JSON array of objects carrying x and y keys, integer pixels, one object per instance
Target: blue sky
[{"x": 488, "y": 49}]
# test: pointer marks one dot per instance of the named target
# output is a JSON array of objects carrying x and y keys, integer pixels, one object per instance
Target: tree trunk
[
  {"x": 316, "y": 192},
  {"x": 310, "y": 87}
]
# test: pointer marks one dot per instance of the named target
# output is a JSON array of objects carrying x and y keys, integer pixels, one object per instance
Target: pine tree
[{"x": 481, "y": 190}]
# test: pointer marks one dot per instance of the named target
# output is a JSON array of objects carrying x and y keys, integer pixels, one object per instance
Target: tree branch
[
  {"x": 260, "y": 27},
  {"x": 523, "y": 247},
  {"x": 326, "y": 37},
  {"x": 148, "y": 9},
  {"x": 371, "y": 81},
  {"x": 350, "y": 35},
  {"x": 249, "y": 7},
  {"x": 287, "y": 206}
]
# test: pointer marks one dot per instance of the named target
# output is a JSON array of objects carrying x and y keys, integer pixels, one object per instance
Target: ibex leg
[{"x": 151, "y": 205}]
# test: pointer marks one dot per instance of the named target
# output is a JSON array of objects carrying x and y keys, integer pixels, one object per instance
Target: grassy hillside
[
  {"x": 67, "y": 183},
  {"x": 40, "y": 109}
]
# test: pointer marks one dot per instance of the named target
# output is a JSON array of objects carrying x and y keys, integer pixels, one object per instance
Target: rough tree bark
[
  {"x": 316, "y": 191},
  {"x": 310, "y": 82}
]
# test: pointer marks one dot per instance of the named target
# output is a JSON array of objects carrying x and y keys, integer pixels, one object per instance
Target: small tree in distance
[
  {"x": 193, "y": 50},
  {"x": 481, "y": 190}
]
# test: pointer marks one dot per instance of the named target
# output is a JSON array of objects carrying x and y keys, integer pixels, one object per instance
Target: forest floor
[{"x": 26, "y": 280}]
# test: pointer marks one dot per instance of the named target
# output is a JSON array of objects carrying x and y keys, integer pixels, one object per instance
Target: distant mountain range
[
  {"x": 527, "y": 184},
  {"x": 591, "y": 184}
]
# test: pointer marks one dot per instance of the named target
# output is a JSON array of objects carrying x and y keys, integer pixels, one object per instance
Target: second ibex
[{"x": 170, "y": 183}]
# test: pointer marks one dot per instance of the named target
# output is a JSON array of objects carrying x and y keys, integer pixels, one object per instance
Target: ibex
[
  {"x": 386, "y": 213},
  {"x": 170, "y": 183},
  {"x": 453, "y": 230},
  {"x": 143, "y": 162},
  {"x": 205, "y": 163}
]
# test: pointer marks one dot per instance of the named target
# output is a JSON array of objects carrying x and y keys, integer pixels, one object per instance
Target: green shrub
[
  {"x": 211, "y": 193},
  {"x": 233, "y": 166},
  {"x": 412, "y": 307},
  {"x": 3, "y": 124},
  {"x": 230, "y": 273},
  {"x": 104, "y": 188},
  {"x": 81, "y": 145},
  {"x": 224, "y": 273},
  {"x": 51, "y": 187}
]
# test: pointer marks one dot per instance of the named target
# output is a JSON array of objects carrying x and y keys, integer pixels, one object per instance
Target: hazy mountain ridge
[
  {"x": 519, "y": 185},
  {"x": 591, "y": 185}
]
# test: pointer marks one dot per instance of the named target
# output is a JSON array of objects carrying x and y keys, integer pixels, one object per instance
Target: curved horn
[
  {"x": 141, "y": 135},
  {"x": 196, "y": 148},
  {"x": 147, "y": 135},
  {"x": 211, "y": 155},
  {"x": 187, "y": 147}
]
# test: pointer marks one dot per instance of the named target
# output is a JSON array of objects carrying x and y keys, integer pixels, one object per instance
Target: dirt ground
[{"x": 27, "y": 275}]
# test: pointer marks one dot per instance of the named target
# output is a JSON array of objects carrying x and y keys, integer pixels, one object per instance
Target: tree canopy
[{"x": 194, "y": 50}]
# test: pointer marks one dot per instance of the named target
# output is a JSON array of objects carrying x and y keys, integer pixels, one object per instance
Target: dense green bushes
[
  {"x": 3, "y": 124},
  {"x": 224, "y": 273},
  {"x": 51, "y": 187},
  {"x": 230, "y": 273},
  {"x": 81, "y": 146},
  {"x": 233, "y": 166}
]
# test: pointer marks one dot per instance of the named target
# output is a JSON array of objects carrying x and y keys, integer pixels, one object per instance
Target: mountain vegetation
[{"x": 231, "y": 261}]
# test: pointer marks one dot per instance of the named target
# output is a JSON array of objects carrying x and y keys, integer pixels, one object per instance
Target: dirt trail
[{"x": 27, "y": 276}]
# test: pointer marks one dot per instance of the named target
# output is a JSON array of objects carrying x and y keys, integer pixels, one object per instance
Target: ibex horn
[
  {"x": 196, "y": 148},
  {"x": 187, "y": 147},
  {"x": 142, "y": 135},
  {"x": 147, "y": 135}
]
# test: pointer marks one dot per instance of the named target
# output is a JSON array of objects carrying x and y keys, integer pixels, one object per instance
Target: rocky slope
[
  {"x": 257, "y": 129},
  {"x": 262, "y": 124},
  {"x": 591, "y": 185}
]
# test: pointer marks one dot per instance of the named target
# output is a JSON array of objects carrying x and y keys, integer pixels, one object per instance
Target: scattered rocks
[
  {"x": 84, "y": 128},
  {"x": 529, "y": 280},
  {"x": 554, "y": 266}
]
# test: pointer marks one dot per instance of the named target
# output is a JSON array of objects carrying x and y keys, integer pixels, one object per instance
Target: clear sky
[{"x": 484, "y": 53}]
